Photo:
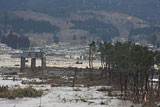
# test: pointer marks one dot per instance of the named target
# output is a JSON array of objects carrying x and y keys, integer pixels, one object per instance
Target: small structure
[{"x": 33, "y": 56}]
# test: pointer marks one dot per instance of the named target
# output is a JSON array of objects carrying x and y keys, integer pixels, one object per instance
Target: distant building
[
  {"x": 4, "y": 47},
  {"x": 15, "y": 52},
  {"x": 75, "y": 55},
  {"x": 150, "y": 47}
]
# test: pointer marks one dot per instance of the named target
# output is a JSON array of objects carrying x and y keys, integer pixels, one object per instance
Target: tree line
[
  {"x": 131, "y": 67},
  {"x": 97, "y": 28},
  {"x": 22, "y": 26},
  {"x": 14, "y": 41}
]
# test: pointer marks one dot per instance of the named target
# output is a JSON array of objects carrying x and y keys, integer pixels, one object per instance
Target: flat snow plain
[{"x": 63, "y": 97}]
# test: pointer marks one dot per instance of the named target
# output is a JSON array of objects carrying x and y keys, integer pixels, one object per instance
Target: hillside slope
[
  {"x": 145, "y": 9},
  {"x": 73, "y": 24},
  {"x": 104, "y": 19}
]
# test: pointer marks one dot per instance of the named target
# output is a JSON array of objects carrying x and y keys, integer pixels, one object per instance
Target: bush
[
  {"x": 3, "y": 88},
  {"x": 77, "y": 89},
  {"x": 19, "y": 92},
  {"x": 103, "y": 89}
]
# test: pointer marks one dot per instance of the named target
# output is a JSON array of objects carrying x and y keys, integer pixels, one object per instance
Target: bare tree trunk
[
  {"x": 102, "y": 65},
  {"x": 126, "y": 83},
  {"x": 121, "y": 84},
  {"x": 137, "y": 83},
  {"x": 134, "y": 83},
  {"x": 158, "y": 87},
  {"x": 75, "y": 77},
  {"x": 90, "y": 61},
  {"x": 146, "y": 84},
  {"x": 142, "y": 81},
  {"x": 152, "y": 80},
  {"x": 109, "y": 73}
]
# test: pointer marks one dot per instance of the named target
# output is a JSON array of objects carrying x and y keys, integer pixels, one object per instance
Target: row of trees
[
  {"x": 144, "y": 31},
  {"x": 15, "y": 41},
  {"x": 96, "y": 27},
  {"x": 21, "y": 26},
  {"x": 149, "y": 34},
  {"x": 130, "y": 66}
]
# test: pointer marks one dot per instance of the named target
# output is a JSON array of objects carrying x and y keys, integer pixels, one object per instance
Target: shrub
[
  {"x": 77, "y": 89},
  {"x": 103, "y": 89},
  {"x": 3, "y": 88},
  {"x": 5, "y": 92}
]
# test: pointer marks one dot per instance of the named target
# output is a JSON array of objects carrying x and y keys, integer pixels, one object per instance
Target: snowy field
[
  {"x": 7, "y": 61},
  {"x": 63, "y": 97},
  {"x": 58, "y": 96}
]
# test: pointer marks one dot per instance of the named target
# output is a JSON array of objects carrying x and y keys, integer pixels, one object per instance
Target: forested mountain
[
  {"x": 147, "y": 9},
  {"x": 65, "y": 18}
]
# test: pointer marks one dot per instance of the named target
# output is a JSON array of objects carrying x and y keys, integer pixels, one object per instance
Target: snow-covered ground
[
  {"x": 7, "y": 61},
  {"x": 64, "y": 97}
]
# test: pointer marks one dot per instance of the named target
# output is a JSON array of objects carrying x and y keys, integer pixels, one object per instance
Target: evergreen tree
[
  {"x": 92, "y": 49},
  {"x": 130, "y": 66},
  {"x": 55, "y": 39},
  {"x": 15, "y": 41},
  {"x": 74, "y": 37}
]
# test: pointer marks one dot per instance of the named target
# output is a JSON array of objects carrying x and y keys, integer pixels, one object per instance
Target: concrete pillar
[
  {"x": 43, "y": 62},
  {"x": 22, "y": 64},
  {"x": 33, "y": 64}
]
